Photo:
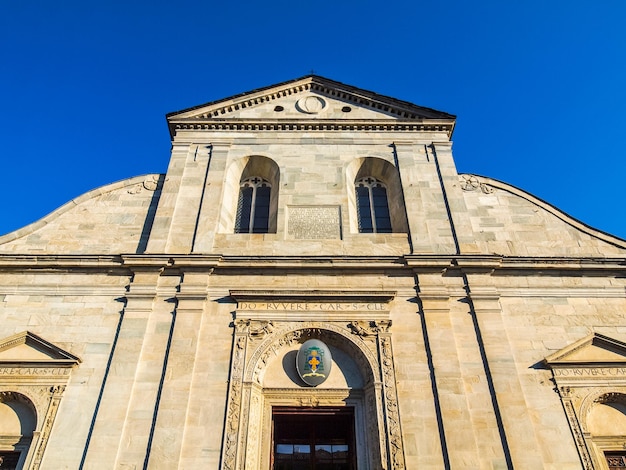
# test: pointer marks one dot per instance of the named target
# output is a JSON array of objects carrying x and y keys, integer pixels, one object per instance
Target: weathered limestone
[{"x": 486, "y": 331}]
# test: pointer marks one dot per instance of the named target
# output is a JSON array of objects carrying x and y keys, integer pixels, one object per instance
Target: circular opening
[
  {"x": 278, "y": 109},
  {"x": 346, "y": 109}
]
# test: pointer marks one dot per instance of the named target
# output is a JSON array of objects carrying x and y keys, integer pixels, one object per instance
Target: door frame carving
[{"x": 247, "y": 437}]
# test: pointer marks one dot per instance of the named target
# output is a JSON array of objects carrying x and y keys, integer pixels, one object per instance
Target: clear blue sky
[{"x": 538, "y": 86}]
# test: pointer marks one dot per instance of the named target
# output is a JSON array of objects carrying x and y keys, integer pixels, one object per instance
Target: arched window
[
  {"x": 253, "y": 207},
  {"x": 372, "y": 206}
]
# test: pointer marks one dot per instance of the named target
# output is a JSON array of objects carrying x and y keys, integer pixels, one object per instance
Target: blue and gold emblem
[{"x": 313, "y": 362}]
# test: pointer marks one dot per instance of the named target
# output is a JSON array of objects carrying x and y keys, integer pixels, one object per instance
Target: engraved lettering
[{"x": 311, "y": 306}]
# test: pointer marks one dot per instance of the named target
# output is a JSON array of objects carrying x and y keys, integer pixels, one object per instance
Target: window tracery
[
  {"x": 253, "y": 206},
  {"x": 372, "y": 206}
]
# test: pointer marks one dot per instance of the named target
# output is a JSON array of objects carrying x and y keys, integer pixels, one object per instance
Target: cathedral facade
[{"x": 311, "y": 285}]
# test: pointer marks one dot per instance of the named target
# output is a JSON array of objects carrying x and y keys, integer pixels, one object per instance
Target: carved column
[
  {"x": 234, "y": 400},
  {"x": 382, "y": 401},
  {"x": 570, "y": 411},
  {"x": 392, "y": 415}
]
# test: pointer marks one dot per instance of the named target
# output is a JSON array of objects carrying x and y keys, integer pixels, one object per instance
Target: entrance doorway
[{"x": 313, "y": 438}]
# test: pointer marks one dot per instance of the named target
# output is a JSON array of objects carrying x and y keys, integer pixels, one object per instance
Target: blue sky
[{"x": 538, "y": 87}]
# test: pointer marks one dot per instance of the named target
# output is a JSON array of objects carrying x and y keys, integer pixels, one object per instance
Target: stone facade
[{"x": 139, "y": 330}]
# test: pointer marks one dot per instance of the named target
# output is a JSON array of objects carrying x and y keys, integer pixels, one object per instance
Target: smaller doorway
[{"x": 313, "y": 438}]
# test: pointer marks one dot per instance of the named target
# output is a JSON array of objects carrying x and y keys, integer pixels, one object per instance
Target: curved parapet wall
[
  {"x": 115, "y": 218},
  {"x": 511, "y": 222}
]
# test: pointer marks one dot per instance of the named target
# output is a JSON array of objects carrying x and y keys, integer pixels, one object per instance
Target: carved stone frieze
[{"x": 309, "y": 401}]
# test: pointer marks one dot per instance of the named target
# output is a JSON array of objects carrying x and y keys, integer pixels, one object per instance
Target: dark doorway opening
[
  {"x": 9, "y": 460},
  {"x": 313, "y": 438}
]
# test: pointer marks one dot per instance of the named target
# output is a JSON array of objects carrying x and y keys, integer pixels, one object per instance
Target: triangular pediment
[
  {"x": 593, "y": 350},
  {"x": 29, "y": 349},
  {"x": 310, "y": 99}
]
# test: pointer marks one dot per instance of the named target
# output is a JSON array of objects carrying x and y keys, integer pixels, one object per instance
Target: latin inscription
[
  {"x": 313, "y": 306},
  {"x": 314, "y": 222},
  {"x": 590, "y": 372},
  {"x": 33, "y": 371}
]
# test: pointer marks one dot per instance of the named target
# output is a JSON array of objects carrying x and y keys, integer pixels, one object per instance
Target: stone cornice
[
  {"x": 311, "y": 83},
  {"x": 488, "y": 264},
  {"x": 317, "y": 295},
  {"x": 287, "y": 125}
]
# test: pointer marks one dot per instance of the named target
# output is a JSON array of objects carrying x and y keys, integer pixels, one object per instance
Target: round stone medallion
[{"x": 310, "y": 104}]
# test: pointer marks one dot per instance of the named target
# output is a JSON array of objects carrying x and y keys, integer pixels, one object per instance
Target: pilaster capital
[
  {"x": 444, "y": 145},
  {"x": 220, "y": 144}
]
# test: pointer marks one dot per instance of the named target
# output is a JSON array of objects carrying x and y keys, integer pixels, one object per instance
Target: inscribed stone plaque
[{"x": 314, "y": 222}]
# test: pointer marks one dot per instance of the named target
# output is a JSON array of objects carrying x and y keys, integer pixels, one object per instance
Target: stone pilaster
[
  {"x": 442, "y": 153},
  {"x": 124, "y": 421},
  {"x": 162, "y": 225},
  {"x": 516, "y": 421},
  {"x": 171, "y": 431},
  {"x": 427, "y": 216},
  {"x": 212, "y": 195},
  {"x": 449, "y": 372}
]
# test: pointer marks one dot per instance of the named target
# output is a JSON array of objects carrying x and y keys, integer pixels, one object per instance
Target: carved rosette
[
  {"x": 149, "y": 184},
  {"x": 472, "y": 183}
]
